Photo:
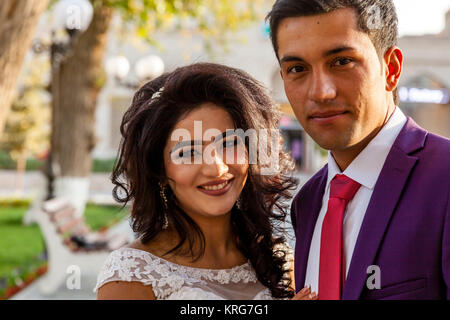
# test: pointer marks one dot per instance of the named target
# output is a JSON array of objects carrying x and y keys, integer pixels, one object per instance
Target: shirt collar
[{"x": 366, "y": 167}]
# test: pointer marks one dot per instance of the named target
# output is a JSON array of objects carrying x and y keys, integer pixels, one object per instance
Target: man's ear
[{"x": 393, "y": 62}]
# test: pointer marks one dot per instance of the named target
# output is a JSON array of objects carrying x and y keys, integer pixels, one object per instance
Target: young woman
[{"x": 207, "y": 214}]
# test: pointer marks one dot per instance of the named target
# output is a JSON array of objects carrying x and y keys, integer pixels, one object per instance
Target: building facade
[{"x": 425, "y": 83}]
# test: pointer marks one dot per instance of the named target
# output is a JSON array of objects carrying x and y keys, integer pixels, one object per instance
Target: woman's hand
[{"x": 305, "y": 294}]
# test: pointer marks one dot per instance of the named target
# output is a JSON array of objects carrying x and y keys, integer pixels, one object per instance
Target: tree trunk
[
  {"x": 21, "y": 168},
  {"x": 76, "y": 84},
  {"x": 18, "y": 19}
]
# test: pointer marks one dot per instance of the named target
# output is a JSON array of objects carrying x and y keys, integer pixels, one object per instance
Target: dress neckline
[{"x": 246, "y": 265}]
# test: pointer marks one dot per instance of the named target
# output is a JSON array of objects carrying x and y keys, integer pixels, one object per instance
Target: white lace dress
[{"x": 172, "y": 281}]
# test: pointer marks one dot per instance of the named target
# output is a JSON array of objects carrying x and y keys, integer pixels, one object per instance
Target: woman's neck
[{"x": 220, "y": 249}]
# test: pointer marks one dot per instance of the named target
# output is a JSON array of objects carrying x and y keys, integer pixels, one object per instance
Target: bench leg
[{"x": 54, "y": 278}]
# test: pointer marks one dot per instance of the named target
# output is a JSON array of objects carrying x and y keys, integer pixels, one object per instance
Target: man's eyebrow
[
  {"x": 326, "y": 54},
  {"x": 290, "y": 59},
  {"x": 338, "y": 50}
]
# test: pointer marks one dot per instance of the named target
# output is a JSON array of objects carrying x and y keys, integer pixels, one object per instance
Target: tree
[
  {"x": 79, "y": 78},
  {"x": 27, "y": 129},
  {"x": 18, "y": 19}
]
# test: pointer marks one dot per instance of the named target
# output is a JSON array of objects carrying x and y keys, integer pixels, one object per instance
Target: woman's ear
[{"x": 393, "y": 61}]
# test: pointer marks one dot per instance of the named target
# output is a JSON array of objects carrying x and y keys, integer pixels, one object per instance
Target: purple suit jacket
[{"x": 406, "y": 228}]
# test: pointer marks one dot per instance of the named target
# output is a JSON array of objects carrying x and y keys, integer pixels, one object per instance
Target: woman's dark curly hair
[{"x": 146, "y": 127}]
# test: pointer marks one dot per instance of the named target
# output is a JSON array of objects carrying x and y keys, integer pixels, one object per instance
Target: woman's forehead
[{"x": 205, "y": 117}]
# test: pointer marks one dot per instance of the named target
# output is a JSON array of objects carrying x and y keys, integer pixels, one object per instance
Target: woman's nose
[{"x": 213, "y": 164}]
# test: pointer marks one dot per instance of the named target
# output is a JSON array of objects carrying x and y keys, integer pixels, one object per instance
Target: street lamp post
[
  {"x": 73, "y": 16},
  {"x": 146, "y": 68}
]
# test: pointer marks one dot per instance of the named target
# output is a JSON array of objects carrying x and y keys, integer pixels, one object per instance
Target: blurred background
[{"x": 68, "y": 71}]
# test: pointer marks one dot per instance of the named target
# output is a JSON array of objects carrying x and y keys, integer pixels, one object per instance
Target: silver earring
[
  {"x": 164, "y": 200},
  {"x": 238, "y": 203}
]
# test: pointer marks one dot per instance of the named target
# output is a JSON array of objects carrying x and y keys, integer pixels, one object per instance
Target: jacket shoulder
[
  {"x": 308, "y": 189},
  {"x": 437, "y": 144},
  {"x": 311, "y": 185}
]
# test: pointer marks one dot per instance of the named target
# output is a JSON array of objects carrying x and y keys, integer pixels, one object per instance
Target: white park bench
[{"x": 70, "y": 242}]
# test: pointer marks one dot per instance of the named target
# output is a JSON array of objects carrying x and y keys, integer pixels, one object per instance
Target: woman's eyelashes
[
  {"x": 197, "y": 151},
  {"x": 189, "y": 152},
  {"x": 231, "y": 142}
]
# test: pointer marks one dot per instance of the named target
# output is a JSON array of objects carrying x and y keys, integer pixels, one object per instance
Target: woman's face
[{"x": 206, "y": 170}]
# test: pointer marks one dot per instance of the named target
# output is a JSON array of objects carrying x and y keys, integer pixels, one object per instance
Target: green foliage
[
  {"x": 33, "y": 164},
  {"x": 105, "y": 166},
  {"x": 213, "y": 19},
  {"x": 13, "y": 203},
  {"x": 28, "y": 125},
  {"x": 6, "y": 162}
]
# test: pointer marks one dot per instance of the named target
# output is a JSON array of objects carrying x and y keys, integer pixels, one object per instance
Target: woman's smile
[{"x": 216, "y": 188}]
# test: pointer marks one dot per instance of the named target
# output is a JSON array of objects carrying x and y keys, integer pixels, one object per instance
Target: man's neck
[{"x": 346, "y": 156}]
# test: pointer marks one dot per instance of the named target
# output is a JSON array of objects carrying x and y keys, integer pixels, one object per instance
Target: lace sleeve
[
  {"x": 127, "y": 264},
  {"x": 124, "y": 265}
]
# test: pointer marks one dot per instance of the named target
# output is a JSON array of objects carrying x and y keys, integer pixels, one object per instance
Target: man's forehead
[
  {"x": 319, "y": 35},
  {"x": 339, "y": 23},
  {"x": 342, "y": 17}
]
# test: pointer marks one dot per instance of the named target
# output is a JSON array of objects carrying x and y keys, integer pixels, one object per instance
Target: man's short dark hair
[{"x": 377, "y": 18}]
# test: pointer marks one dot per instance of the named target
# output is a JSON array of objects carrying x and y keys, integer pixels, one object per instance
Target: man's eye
[
  {"x": 342, "y": 62},
  {"x": 296, "y": 69}
]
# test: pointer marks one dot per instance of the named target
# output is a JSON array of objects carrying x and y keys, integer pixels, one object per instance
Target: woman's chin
[{"x": 217, "y": 211}]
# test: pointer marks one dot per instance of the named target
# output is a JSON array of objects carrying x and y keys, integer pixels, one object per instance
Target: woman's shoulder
[
  {"x": 123, "y": 290},
  {"x": 131, "y": 266}
]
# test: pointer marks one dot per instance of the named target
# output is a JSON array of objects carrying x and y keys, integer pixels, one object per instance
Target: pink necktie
[{"x": 332, "y": 262}]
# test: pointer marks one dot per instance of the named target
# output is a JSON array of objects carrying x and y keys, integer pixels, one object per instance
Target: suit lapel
[
  {"x": 387, "y": 193},
  {"x": 309, "y": 208}
]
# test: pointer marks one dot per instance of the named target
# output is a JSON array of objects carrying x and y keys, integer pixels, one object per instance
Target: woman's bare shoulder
[
  {"x": 124, "y": 290},
  {"x": 158, "y": 246}
]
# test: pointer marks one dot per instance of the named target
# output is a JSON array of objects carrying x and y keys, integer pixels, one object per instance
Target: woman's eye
[
  {"x": 230, "y": 143},
  {"x": 188, "y": 153}
]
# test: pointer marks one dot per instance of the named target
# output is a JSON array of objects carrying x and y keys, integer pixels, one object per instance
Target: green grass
[
  {"x": 103, "y": 216},
  {"x": 32, "y": 164},
  {"x": 20, "y": 245}
]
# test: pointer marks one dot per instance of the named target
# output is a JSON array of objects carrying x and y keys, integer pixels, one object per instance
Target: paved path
[{"x": 100, "y": 185}]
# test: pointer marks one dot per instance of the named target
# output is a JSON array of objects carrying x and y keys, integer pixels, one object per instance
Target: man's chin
[{"x": 331, "y": 145}]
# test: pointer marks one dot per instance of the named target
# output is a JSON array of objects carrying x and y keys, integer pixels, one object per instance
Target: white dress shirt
[{"x": 364, "y": 169}]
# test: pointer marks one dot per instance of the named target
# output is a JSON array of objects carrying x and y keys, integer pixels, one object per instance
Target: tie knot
[{"x": 343, "y": 187}]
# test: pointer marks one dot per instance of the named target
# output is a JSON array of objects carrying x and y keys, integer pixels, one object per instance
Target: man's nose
[{"x": 322, "y": 87}]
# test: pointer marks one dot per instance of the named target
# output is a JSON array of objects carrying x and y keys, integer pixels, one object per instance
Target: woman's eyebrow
[{"x": 191, "y": 143}]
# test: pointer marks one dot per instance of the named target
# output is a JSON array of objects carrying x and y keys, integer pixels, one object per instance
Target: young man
[{"x": 375, "y": 222}]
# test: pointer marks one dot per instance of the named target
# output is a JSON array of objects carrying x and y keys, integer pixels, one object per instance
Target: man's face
[{"x": 333, "y": 78}]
